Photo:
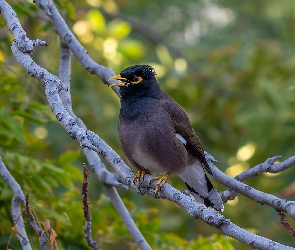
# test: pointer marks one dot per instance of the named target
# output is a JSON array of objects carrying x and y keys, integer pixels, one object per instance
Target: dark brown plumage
[{"x": 157, "y": 137}]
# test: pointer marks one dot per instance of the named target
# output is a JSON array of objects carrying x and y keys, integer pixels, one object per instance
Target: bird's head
[
  {"x": 137, "y": 81},
  {"x": 134, "y": 75}
]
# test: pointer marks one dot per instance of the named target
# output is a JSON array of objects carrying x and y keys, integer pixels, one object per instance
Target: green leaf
[
  {"x": 97, "y": 21},
  {"x": 131, "y": 48},
  {"x": 52, "y": 168},
  {"x": 68, "y": 157},
  {"x": 118, "y": 29}
]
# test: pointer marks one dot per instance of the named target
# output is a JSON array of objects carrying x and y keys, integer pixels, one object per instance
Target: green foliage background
[{"x": 230, "y": 65}]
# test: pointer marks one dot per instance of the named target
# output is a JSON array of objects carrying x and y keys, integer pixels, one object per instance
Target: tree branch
[
  {"x": 94, "y": 161},
  {"x": 286, "y": 224},
  {"x": 256, "y": 195},
  {"x": 67, "y": 37},
  {"x": 268, "y": 166},
  {"x": 87, "y": 228},
  {"x": 279, "y": 167},
  {"x": 123, "y": 212},
  {"x": 33, "y": 223},
  {"x": 15, "y": 205}
]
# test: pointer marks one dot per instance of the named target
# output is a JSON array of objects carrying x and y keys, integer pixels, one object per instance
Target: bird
[{"x": 157, "y": 137}]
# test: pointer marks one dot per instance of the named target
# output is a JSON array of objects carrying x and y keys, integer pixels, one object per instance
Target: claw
[
  {"x": 161, "y": 181},
  {"x": 140, "y": 174}
]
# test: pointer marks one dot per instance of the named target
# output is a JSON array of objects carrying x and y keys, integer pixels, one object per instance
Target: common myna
[{"x": 157, "y": 137}]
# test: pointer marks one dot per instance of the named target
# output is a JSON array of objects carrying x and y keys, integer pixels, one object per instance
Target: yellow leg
[
  {"x": 161, "y": 181},
  {"x": 140, "y": 174}
]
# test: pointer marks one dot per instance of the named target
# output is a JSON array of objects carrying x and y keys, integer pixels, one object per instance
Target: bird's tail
[{"x": 200, "y": 186}]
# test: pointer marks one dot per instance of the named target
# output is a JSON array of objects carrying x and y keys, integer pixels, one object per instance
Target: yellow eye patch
[{"x": 139, "y": 80}]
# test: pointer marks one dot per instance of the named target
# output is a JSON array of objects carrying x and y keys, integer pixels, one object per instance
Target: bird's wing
[
  {"x": 193, "y": 143},
  {"x": 182, "y": 127}
]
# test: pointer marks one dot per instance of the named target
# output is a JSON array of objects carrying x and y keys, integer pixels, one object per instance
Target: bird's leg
[
  {"x": 161, "y": 181},
  {"x": 138, "y": 175}
]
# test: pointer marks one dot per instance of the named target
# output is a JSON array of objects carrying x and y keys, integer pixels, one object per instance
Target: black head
[
  {"x": 133, "y": 72},
  {"x": 136, "y": 80}
]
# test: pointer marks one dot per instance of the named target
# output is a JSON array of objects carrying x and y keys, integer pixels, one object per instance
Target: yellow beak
[{"x": 123, "y": 80}]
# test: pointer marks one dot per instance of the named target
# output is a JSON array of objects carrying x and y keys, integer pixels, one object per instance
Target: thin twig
[
  {"x": 285, "y": 223},
  {"x": 87, "y": 228},
  {"x": 33, "y": 223}
]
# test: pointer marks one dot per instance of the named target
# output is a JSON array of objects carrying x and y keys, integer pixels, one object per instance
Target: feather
[
  {"x": 193, "y": 143},
  {"x": 200, "y": 186}
]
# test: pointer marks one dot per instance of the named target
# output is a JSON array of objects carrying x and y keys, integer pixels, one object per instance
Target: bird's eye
[{"x": 136, "y": 79}]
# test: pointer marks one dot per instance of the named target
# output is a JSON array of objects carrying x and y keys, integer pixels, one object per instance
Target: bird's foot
[
  {"x": 140, "y": 174},
  {"x": 161, "y": 181}
]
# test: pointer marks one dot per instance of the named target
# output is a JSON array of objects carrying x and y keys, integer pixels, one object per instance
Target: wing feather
[
  {"x": 193, "y": 145},
  {"x": 182, "y": 126}
]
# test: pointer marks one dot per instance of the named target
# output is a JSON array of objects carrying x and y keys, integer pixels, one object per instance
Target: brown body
[{"x": 156, "y": 148}]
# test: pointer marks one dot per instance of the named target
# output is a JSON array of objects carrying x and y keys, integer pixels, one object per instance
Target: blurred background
[{"x": 229, "y": 65}]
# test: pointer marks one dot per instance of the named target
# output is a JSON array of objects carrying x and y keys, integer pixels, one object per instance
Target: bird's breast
[{"x": 150, "y": 141}]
